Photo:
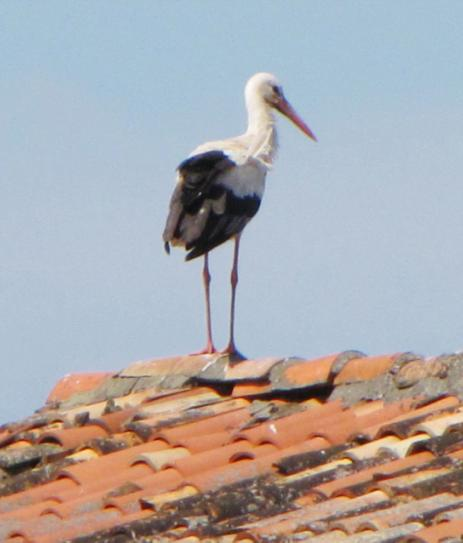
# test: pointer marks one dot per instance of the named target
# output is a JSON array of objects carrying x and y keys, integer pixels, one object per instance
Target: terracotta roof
[{"x": 348, "y": 447}]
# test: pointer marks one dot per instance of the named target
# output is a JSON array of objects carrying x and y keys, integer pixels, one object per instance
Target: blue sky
[{"x": 358, "y": 243}]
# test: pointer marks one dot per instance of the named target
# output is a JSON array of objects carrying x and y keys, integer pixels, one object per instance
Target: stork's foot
[
  {"x": 208, "y": 349},
  {"x": 234, "y": 356}
]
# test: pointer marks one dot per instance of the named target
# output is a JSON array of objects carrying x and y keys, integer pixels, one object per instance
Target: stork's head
[{"x": 267, "y": 88}]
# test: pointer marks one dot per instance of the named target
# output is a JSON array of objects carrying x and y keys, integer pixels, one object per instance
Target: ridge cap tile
[
  {"x": 73, "y": 383},
  {"x": 184, "y": 365},
  {"x": 222, "y": 370},
  {"x": 365, "y": 368},
  {"x": 293, "y": 373},
  {"x": 255, "y": 369}
]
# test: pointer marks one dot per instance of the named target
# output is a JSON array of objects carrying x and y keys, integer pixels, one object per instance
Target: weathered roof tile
[
  {"x": 364, "y": 369},
  {"x": 77, "y": 382}
]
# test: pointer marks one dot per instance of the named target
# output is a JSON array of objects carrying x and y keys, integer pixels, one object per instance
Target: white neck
[{"x": 261, "y": 129}]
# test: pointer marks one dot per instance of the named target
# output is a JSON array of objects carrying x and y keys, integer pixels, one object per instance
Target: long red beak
[{"x": 287, "y": 110}]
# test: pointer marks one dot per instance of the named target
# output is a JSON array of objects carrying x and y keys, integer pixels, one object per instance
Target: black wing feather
[
  {"x": 199, "y": 174},
  {"x": 221, "y": 227}
]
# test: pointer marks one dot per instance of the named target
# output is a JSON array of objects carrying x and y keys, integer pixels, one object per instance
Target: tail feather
[{"x": 194, "y": 253}]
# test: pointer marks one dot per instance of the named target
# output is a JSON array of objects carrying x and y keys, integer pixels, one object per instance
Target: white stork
[{"x": 221, "y": 184}]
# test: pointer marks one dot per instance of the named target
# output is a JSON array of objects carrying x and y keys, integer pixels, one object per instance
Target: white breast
[
  {"x": 248, "y": 176},
  {"x": 247, "y": 179}
]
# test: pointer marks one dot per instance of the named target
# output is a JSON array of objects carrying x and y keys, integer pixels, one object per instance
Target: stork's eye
[{"x": 277, "y": 90}]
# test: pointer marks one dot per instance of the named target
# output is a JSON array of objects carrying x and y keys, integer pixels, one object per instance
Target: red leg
[
  {"x": 231, "y": 347},
  {"x": 210, "y": 348}
]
